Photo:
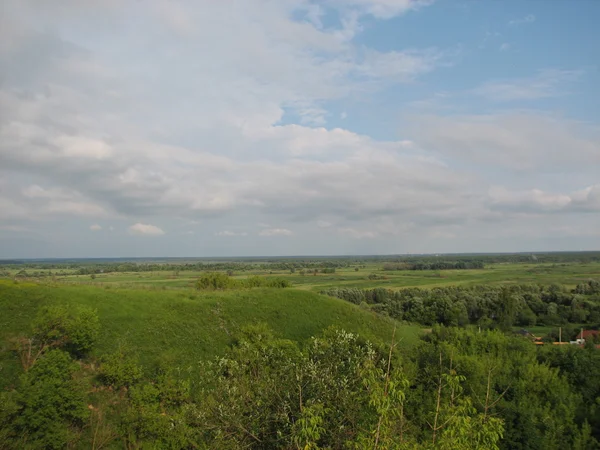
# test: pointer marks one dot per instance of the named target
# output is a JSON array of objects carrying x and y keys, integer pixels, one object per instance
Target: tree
[
  {"x": 214, "y": 281},
  {"x": 75, "y": 331},
  {"x": 119, "y": 370},
  {"x": 50, "y": 402}
]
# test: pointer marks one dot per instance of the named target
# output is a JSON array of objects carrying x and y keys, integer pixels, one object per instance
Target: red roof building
[{"x": 588, "y": 334}]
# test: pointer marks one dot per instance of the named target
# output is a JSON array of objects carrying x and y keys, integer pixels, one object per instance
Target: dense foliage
[
  {"x": 457, "y": 389},
  {"x": 221, "y": 281},
  {"x": 435, "y": 265},
  {"x": 487, "y": 305}
]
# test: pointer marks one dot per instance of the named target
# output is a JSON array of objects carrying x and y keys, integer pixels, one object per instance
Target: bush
[
  {"x": 57, "y": 327},
  {"x": 220, "y": 281},
  {"x": 215, "y": 281},
  {"x": 277, "y": 283},
  {"x": 51, "y": 402},
  {"x": 118, "y": 370}
]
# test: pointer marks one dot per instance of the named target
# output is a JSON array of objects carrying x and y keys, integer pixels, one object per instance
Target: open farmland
[{"x": 369, "y": 275}]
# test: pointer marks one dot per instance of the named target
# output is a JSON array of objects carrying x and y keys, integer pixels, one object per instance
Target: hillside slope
[{"x": 186, "y": 326}]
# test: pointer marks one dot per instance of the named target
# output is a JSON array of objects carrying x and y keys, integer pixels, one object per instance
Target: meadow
[
  {"x": 184, "y": 326},
  {"x": 366, "y": 275},
  {"x": 160, "y": 314}
]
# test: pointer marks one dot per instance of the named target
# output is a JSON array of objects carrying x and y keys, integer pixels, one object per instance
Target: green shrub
[
  {"x": 215, "y": 281},
  {"x": 9, "y": 409},
  {"x": 277, "y": 283},
  {"x": 74, "y": 331},
  {"x": 50, "y": 402},
  {"x": 220, "y": 281},
  {"x": 118, "y": 370}
]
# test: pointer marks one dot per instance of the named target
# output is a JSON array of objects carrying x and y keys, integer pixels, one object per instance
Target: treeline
[
  {"x": 37, "y": 270},
  {"x": 457, "y": 389},
  {"x": 435, "y": 265},
  {"x": 411, "y": 262},
  {"x": 483, "y": 305}
]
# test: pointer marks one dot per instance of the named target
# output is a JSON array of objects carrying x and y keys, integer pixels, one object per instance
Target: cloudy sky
[{"x": 298, "y": 127}]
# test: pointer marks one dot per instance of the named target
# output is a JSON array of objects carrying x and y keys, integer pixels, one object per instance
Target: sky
[{"x": 297, "y": 127}]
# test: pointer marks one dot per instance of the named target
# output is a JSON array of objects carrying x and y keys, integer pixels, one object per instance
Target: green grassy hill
[{"x": 186, "y": 326}]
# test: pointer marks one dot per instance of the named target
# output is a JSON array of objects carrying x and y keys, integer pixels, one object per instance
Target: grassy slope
[{"x": 184, "y": 325}]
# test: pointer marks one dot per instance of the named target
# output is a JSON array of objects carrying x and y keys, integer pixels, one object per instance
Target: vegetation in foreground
[
  {"x": 183, "y": 327},
  {"x": 239, "y": 362},
  {"x": 457, "y": 389}
]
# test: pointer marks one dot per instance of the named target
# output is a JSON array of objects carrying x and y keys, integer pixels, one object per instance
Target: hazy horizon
[
  {"x": 299, "y": 256},
  {"x": 296, "y": 127}
]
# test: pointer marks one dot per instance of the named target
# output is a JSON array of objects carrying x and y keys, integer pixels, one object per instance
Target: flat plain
[{"x": 364, "y": 276}]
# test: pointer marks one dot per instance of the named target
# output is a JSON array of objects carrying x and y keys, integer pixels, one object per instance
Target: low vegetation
[
  {"x": 457, "y": 389},
  {"x": 220, "y": 281},
  {"x": 227, "y": 359}
]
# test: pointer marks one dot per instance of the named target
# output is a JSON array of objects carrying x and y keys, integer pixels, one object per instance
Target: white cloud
[
  {"x": 383, "y": 9},
  {"x": 95, "y": 227},
  {"x": 587, "y": 199},
  {"x": 95, "y": 130},
  {"x": 546, "y": 83},
  {"x": 230, "y": 128},
  {"x": 504, "y": 47},
  {"x": 145, "y": 230},
  {"x": 41, "y": 202},
  {"x": 275, "y": 232},
  {"x": 357, "y": 234},
  {"x": 534, "y": 200},
  {"x": 523, "y": 141},
  {"x": 539, "y": 201},
  {"x": 529, "y": 18},
  {"x": 228, "y": 233}
]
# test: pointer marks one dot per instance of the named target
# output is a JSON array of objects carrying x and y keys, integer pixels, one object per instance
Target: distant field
[
  {"x": 159, "y": 314},
  {"x": 568, "y": 274},
  {"x": 186, "y": 326}
]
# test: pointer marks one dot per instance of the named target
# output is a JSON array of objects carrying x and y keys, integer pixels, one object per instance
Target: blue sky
[{"x": 204, "y": 128}]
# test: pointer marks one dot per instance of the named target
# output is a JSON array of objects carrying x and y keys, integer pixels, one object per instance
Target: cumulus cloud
[
  {"x": 95, "y": 227},
  {"x": 228, "y": 233},
  {"x": 232, "y": 128},
  {"x": 522, "y": 140},
  {"x": 275, "y": 232},
  {"x": 384, "y": 9},
  {"x": 143, "y": 229},
  {"x": 119, "y": 148},
  {"x": 539, "y": 201},
  {"x": 357, "y": 234},
  {"x": 534, "y": 200}
]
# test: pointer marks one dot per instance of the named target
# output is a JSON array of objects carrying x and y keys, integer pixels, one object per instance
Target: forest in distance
[{"x": 314, "y": 353}]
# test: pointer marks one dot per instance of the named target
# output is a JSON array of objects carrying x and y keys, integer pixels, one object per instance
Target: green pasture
[
  {"x": 185, "y": 326},
  {"x": 568, "y": 274}
]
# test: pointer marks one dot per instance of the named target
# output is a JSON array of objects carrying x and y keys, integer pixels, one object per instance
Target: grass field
[
  {"x": 568, "y": 274},
  {"x": 185, "y": 326},
  {"x": 160, "y": 315}
]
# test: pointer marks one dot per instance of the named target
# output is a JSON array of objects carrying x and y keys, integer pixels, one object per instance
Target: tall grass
[{"x": 184, "y": 326}]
